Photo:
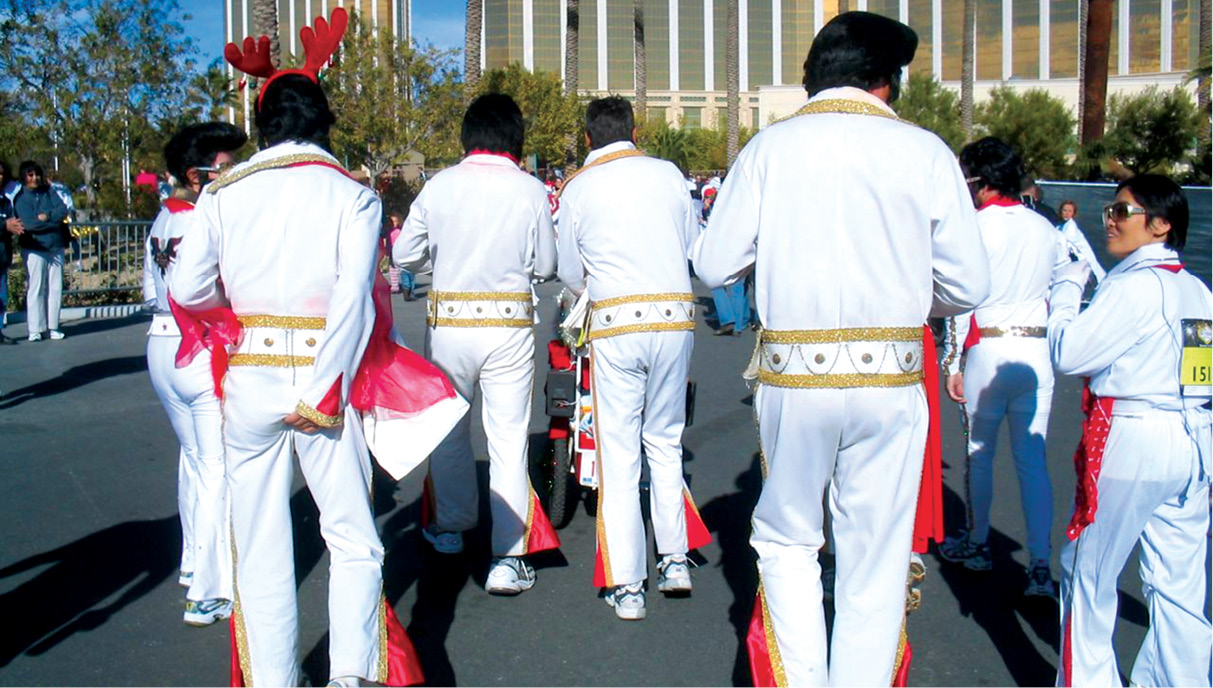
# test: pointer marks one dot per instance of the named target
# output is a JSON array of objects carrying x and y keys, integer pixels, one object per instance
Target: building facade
[
  {"x": 1032, "y": 43},
  {"x": 294, "y": 15}
]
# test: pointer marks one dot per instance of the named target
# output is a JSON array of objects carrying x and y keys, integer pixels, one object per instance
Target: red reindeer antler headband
[{"x": 318, "y": 45}]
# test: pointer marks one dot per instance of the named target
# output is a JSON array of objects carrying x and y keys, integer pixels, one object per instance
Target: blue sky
[{"x": 434, "y": 21}]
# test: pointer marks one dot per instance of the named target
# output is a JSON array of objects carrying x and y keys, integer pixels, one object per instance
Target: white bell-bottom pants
[
  {"x": 500, "y": 362},
  {"x": 639, "y": 396},
  {"x": 864, "y": 447},
  {"x": 188, "y": 396},
  {"x": 336, "y": 466},
  {"x": 1153, "y": 489},
  {"x": 43, "y": 289}
]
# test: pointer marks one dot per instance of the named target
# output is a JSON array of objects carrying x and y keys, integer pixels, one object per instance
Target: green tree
[
  {"x": 1037, "y": 125},
  {"x": 553, "y": 118},
  {"x": 1153, "y": 130},
  {"x": 657, "y": 138},
  {"x": 925, "y": 102},
  {"x": 390, "y": 98},
  {"x": 96, "y": 75}
]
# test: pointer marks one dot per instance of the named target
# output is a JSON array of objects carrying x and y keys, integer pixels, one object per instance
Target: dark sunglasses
[{"x": 1121, "y": 211}]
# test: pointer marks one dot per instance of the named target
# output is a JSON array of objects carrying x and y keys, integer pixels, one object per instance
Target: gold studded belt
[
  {"x": 479, "y": 309},
  {"x": 1014, "y": 331},
  {"x": 667, "y": 312},
  {"x": 839, "y": 359},
  {"x": 278, "y": 341}
]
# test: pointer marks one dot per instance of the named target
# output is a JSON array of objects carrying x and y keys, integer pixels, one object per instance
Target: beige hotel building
[{"x": 1024, "y": 43}]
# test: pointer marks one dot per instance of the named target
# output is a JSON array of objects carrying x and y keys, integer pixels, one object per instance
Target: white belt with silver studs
[
  {"x": 840, "y": 359},
  {"x": 479, "y": 309}
]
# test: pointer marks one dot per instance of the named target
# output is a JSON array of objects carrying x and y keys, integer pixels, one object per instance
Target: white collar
[
  {"x": 489, "y": 159},
  {"x": 1146, "y": 257},
  {"x": 290, "y": 148},
  {"x": 608, "y": 149}
]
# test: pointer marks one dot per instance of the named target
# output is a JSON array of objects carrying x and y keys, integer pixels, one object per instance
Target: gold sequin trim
[
  {"x": 282, "y": 322},
  {"x": 617, "y": 155},
  {"x": 530, "y": 516},
  {"x": 474, "y": 322},
  {"x": 238, "y": 173},
  {"x": 841, "y": 380},
  {"x": 599, "y": 525},
  {"x": 643, "y": 298},
  {"x": 383, "y": 662},
  {"x": 902, "y": 641},
  {"x": 317, "y": 417},
  {"x": 849, "y": 334},
  {"x": 242, "y": 652},
  {"x": 843, "y": 106},
  {"x": 641, "y": 327},
  {"x": 781, "y": 677},
  {"x": 522, "y": 296},
  {"x": 1014, "y": 331},
  {"x": 271, "y": 360}
]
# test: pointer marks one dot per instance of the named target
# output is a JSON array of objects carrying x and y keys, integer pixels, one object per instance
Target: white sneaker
[
  {"x": 185, "y": 578},
  {"x": 347, "y": 682},
  {"x": 628, "y": 601},
  {"x": 206, "y": 612},
  {"x": 57, "y": 335},
  {"x": 509, "y": 576},
  {"x": 674, "y": 574},
  {"x": 35, "y": 336},
  {"x": 444, "y": 542}
]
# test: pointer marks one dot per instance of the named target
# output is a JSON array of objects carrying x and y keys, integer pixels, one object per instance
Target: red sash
[
  {"x": 1088, "y": 459},
  {"x": 928, "y": 520}
]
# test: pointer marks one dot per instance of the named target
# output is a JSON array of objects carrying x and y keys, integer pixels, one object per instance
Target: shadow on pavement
[
  {"x": 728, "y": 518},
  {"x": 75, "y": 377},
  {"x": 93, "y": 325},
  {"x": 85, "y": 583},
  {"x": 995, "y": 600}
]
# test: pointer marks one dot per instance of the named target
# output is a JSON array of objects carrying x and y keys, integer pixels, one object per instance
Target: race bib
[{"x": 1196, "y": 364}]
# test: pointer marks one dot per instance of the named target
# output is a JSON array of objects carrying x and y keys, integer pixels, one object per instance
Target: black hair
[
  {"x": 198, "y": 144},
  {"x": 294, "y": 108},
  {"x": 996, "y": 163},
  {"x": 7, "y": 171},
  {"x": 609, "y": 120},
  {"x": 859, "y": 49},
  {"x": 493, "y": 122},
  {"x": 1163, "y": 199},
  {"x": 26, "y": 167}
]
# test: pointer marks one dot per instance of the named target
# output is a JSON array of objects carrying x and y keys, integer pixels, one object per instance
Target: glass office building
[{"x": 1018, "y": 41}]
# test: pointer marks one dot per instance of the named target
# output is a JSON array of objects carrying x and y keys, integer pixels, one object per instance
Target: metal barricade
[{"x": 102, "y": 263}]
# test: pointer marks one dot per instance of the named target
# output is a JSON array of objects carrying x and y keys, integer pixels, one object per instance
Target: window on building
[
  {"x": 657, "y": 114},
  {"x": 920, "y": 21},
  {"x": 621, "y": 47},
  {"x": 953, "y": 39},
  {"x": 692, "y": 117},
  {"x": 587, "y": 46},
  {"x": 1025, "y": 40},
  {"x": 1185, "y": 34},
  {"x": 755, "y": 123},
  {"x": 690, "y": 45},
  {"x": 760, "y": 43},
  {"x": 548, "y": 47},
  {"x": 989, "y": 41},
  {"x": 797, "y": 30},
  {"x": 1145, "y": 36},
  {"x": 657, "y": 44},
  {"x": 1063, "y": 39}
]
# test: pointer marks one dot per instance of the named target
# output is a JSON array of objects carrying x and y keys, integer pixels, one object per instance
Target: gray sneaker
[
  {"x": 509, "y": 576},
  {"x": 206, "y": 612},
  {"x": 961, "y": 550},
  {"x": 674, "y": 575},
  {"x": 628, "y": 601},
  {"x": 1040, "y": 582}
]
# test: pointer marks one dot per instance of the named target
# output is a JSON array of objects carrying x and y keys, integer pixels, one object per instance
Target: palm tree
[
  {"x": 642, "y": 67},
  {"x": 732, "y": 77},
  {"x": 1082, "y": 49},
  {"x": 572, "y": 26},
  {"x": 1206, "y": 43},
  {"x": 471, "y": 43},
  {"x": 967, "y": 68},
  {"x": 265, "y": 18},
  {"x": 1095, "y": 70}
]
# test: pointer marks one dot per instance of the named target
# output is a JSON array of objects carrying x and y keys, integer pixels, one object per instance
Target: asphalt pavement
[{"x": 90, "y": 543}]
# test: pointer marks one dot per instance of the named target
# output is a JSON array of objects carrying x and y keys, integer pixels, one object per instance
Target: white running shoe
[
  {"x": 185, "y": 578},
  {"x": 674, "y": 575},
  {"x": 444, "y": 542},
  {"x": 57, "y": 335},
  {"x": 628, "y": 601},
  {"x": 206, "y": 612},
  {"x": 509, "y": 576},
  {"x": 35, "y": 336}
]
